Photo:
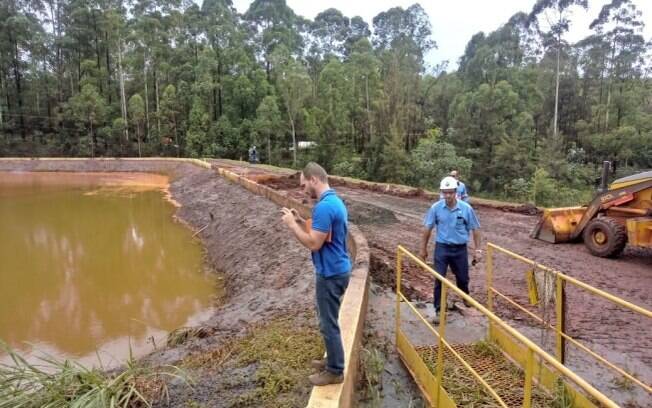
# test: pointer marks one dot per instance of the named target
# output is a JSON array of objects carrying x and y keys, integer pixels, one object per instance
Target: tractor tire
[{"x": 605, "y": 237}]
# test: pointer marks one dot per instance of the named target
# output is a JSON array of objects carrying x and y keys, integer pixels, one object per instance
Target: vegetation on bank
[
  {"x": 278, "y": 353},
  {"x": 52, "y": 383}
]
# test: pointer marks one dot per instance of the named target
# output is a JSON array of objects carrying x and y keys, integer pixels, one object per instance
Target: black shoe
[{"x": 435, "y": 319}]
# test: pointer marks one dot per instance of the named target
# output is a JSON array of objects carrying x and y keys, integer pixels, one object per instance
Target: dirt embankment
[{"x": 267, "y": 274}]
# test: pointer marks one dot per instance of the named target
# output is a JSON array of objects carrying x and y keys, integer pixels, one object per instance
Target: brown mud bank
[{"x": 268, "y": 279}]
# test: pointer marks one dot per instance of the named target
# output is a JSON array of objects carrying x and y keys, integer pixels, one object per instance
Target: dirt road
[{"x": 622, "y": 337}]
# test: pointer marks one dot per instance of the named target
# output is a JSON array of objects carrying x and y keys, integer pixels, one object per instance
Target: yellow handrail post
[
  {"x": 442, "y": 332},
  {"x": 560, "y": 306},
  {"x": 399, "y": 266},
  {"x": 529, "y": 372},
  {"x": 489, "y": 268}
]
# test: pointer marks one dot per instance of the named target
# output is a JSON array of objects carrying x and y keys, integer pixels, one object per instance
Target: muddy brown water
[{"x": 95, "y": 263}]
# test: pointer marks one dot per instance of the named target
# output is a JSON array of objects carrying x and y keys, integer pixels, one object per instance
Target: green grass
[
  {"x": 372, "y": 367},
  {"x": 64, "y": 384},
  {"x": 282, "y": 353},
  {"x": 279, "y": 351}
]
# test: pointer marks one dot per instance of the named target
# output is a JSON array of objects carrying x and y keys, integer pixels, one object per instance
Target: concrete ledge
[
  {"x": 196, "y": 162},
  {"x": 354, "y": 304}
]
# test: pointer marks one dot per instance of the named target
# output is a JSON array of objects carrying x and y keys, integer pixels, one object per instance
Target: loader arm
[{"x": 602, "y": 200}]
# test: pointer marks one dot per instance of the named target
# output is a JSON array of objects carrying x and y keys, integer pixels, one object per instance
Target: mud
[
  {"x": 392, "y": 215},
  {"x": 267, "y": 274}
]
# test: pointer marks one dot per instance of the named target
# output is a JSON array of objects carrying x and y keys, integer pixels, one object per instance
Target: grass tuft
[
  {"x": 64, "y": 384},
  {"x": 183, "y": 334}
]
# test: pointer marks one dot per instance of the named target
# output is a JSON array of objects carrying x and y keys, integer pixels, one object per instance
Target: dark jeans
[
  {"x": 456, "y": 256},
  {"x": 329, "y": 292}
]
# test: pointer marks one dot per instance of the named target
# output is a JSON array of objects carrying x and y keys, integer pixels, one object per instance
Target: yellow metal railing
[
  {"x": 432, "y": 388},
  {"x": 561, "y": 280}
]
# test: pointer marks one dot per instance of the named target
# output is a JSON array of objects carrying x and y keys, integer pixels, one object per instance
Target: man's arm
[
  {"x": 477, "y": 239},
  {"x": 313, "y": 240},
  {"x": 477, "y": 242},
  {"x": 425, "y": 238},
  {"x": 464, "y": 194}
]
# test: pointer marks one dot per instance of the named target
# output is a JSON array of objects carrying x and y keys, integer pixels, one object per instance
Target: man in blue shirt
[
  {"x": 253, "y": 155},
  {"x": 325, "y": 236},
  {"x": 454, "y": 220}
]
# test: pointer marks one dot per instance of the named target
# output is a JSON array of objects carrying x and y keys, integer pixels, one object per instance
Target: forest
[{"x": 525, "y": 115}]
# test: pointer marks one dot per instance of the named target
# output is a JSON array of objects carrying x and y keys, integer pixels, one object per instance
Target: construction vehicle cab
[{"x": 618, "y": 215}]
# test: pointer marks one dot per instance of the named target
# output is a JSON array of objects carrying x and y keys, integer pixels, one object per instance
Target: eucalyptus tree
[
  {"x": 293, "y": 85},
  {"x": 88, "y": 107},
  {"x": 137, "y": 113},
  {"x": 620, "y": 25},
  {"x": 556, "y": 13},
  {"x": 269, "y": 122},
  {"x": 272, "y": 24}
]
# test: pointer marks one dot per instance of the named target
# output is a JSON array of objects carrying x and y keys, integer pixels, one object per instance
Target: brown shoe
[
  {"x": 318, "y": 365},
  {"x": 326, "y": 377}
]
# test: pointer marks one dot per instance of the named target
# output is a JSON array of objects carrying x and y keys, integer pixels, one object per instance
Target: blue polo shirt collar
[
  {"x": 456, "y": 208},
  {"x": 326, "y": 193}
]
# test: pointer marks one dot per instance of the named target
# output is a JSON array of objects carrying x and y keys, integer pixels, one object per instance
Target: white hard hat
[{"x": 448, "y": 183}]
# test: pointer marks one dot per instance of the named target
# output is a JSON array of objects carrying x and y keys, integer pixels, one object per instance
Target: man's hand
[
  {"x": 477, "y": 256},
  {"x": 297, "y": 217},
  {"x": 423, "y": 254},
  {"x": 288, "y": 217}
]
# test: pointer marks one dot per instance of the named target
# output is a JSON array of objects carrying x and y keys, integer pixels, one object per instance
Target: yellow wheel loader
[{"x": 617, "y": 215}]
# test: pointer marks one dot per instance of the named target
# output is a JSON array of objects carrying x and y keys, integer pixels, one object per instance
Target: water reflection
[{"x": 80, "y": 271}]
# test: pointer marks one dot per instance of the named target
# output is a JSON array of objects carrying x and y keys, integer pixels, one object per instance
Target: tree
[
  {"x": 557, "y": 28},
  {"x": 434, "y": 159},
  {"x": 399, "y": 28},
  {"x": 268, "y": 122},
  {"x": 329, "y": 33},
  {"x": 394, "y": 160},
  {"x": 481, "y": 119},
  {"x": 274, "y": 24},
  {"x": 624, "y": 45},
  {"x": 197, "y": 143},
  {"x": 293, "y": 84},
  {"x": 88, "y": 107},
  {"x": 137, "y": 113},
  {"x": 169, "y": 113}
]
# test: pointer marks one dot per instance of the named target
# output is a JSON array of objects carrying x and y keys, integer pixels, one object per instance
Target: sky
[{"x": 455, "y": 21}]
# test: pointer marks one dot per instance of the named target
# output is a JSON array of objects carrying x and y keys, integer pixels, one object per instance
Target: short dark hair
[{"x": 313, "y": 169}]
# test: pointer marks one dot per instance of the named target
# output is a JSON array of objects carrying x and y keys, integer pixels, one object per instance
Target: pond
[{"x": 95, "y": 264}]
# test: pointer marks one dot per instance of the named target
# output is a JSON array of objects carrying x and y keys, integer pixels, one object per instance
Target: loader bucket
[{"x": 557, "y": 224}]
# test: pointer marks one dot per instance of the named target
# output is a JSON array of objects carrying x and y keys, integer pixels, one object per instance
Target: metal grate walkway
[{"x": 506, "y": 379}]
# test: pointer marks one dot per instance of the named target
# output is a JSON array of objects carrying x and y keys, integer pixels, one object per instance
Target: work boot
[
  {"x": 325, "y": 377},
  {"x": 318, "y": 365},
  {"x": 435, "y": 320}
]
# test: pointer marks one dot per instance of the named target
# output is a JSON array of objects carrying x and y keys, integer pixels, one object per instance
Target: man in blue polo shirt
[
  {"x": 454, "y": 220},
  {"x": 325, "y": 236}
]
